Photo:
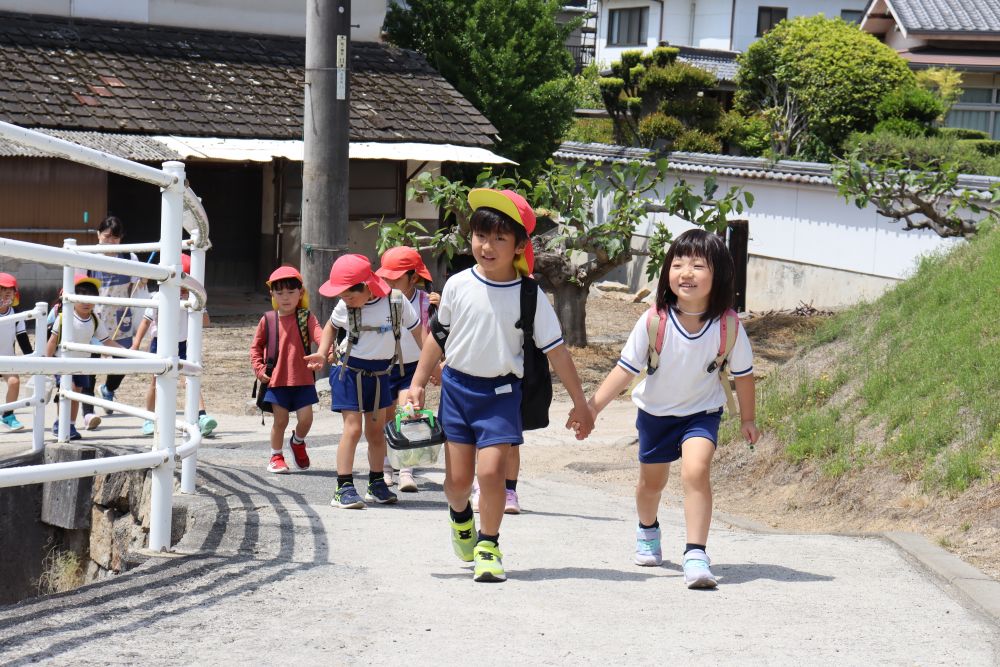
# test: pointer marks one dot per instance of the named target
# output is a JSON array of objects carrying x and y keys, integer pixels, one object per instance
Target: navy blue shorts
[
  {"x": 292, "y": 398},
  {"x": 344, "y": 392},
  {"x": 83, "y": 382},
  {"x": 480, "y": 411},
  {"x": 660, "y": 438},
  {"x": 400, "y": 382},
  {"x": 182, "y": 348}
]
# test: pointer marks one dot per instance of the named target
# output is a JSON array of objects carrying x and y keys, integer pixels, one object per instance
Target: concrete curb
[{"x": 975, "y": 586}]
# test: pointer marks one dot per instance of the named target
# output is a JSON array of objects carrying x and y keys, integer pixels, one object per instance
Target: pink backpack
[{"x": 729, "y": 324}]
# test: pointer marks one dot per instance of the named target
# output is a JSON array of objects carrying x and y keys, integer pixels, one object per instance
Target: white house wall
[
  {"x": 808, "y": 245},
  {"x": 274, "y": 17},
  {"x": 745, "y": 15},
  {"x": 711, "y": 24}
]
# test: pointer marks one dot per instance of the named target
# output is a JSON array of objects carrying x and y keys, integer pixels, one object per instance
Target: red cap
[
  {"x": 283, "y": 272},
  {"x": 397, "y": 261},
  {"x": 7, "y": 280},
  {"x": 84, "y": 278},
  {"x": 514, "y": 205},
  {"x": 186, "y": 263},
  {"x": 349, "y": 270}
]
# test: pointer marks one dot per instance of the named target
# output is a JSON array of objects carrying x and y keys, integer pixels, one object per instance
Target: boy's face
[
  {"x": 287, "y": 298},
  {"x": 495, "y": 252},
  {"x": 84, "y": 309},
  {"x": 6, "y": 297},
  {"x": 405, "y": 283},
  {"x": 356, "y": 299}
]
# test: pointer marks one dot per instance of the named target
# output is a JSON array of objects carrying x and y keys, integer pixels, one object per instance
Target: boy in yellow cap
[{"x": 481, "y": 383}]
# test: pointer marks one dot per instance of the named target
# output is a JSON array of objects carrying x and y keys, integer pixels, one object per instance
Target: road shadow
[{"x": 742, "y": 573}]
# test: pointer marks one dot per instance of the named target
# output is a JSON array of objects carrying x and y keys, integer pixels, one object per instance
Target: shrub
[
  {"x": 750, "y": 135},
  {"x": 910, "y": 103},
  {"x": 591, "y": 131},
  {"x": 878, "y": 146},
  {"x": 902, "y": 127},
  {"x": 962, "y": 133},
  {"x": 659, "y": 126},
  {"x": 986, "y": 147},
  {"x": 696, "y": 141},
  {"x": 588, "y": 89}
]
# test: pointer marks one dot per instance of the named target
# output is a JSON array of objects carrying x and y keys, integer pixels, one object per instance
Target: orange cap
[
  {"x": 397, "y": 261},
  {"x": 7, "y": 280},
  {"x": 349, "y": 270},
  {"x": 283, "y": 272}
]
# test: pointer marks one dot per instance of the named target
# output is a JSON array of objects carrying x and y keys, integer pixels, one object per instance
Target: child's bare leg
[
  {"x": 348, "y": 442},
  {"x": 652, "y": 480},
  {"x": 74, "y": 408},
  {"x": 459, "y": 471},
  {"x": 513, "y": 463},
  {"x": 303, "y": 421},
  {"x": 491, "y": 468},
  {"x": 376, "y": 441},
  {"x": 151, "y": 395},
  {"x": 278, "y": 427},
  {"x": 695, "y": 464},
  {"x": 13, "y": 387}
]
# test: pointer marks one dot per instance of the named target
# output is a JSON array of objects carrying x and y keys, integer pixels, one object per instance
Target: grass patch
[
  {"x": 591, "y": 131},
  {"x": 62, "y": 571}
]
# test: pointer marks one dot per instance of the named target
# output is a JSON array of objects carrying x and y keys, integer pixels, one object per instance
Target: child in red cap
[
  {"x": 481, "y": 383},
  {"x": 206, "y": 423},
  {"x": 403, "y": 269},
  {"x": 81, "y": 326},
  {"x": 9, "y": 332},
  {"x": 358, "y": 383},
  {"x": 291, "y": 386}
]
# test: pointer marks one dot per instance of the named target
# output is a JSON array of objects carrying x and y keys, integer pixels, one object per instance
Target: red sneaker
[
  {"x": 277, "y": 464},
  {"x": 299, "y": 454}
]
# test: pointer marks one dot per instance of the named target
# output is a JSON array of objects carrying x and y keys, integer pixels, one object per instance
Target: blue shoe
[
  {"x": 347, "y": 498},
  {"x": 107, "y": 395},
  {"x": 207, "y": 425},
  {"x": 647, "y": 547},
  {"x": 11, "y": 422},
  {"x": 696, "y": 572},
  {"x": 74, "y": 434},
  {"x": 148, "y": 427},
  {"x": 378, "y": 492}
]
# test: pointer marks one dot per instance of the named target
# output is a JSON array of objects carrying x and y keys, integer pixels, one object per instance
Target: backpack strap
[
  {"x": 729, "y": 326},
  {"x": 396, "y": 319},
  {"x": 302, "y": 318},
  {"x": 271, "y": 338},
  {"x": 529, "y": 302},
  {"x": 656, "y": 327}
]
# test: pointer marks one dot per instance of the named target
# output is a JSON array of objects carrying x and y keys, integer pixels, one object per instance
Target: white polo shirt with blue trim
[
  {"x": 682, "y": 385},
  {"x": 480, "y": 315},
  {"x": 381, "y": 344}
]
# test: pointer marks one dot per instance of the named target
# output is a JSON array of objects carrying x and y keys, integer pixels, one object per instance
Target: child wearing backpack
[
  {"x": 403, "y": 268},
  {"x": 282, "y": 339},
  {"x": 374, "y": 317},
  {"x": 10, "y": 298},
  {"x": 81, "y": 326},
  {"x": 482, "y": 382},
  {"x": 681, "y": 400}
]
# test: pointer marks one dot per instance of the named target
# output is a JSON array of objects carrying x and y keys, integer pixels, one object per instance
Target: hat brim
[
  {"x": 485, "y": 197},
  {"x": 93, "y": 281},
  {"x": 392, "y": 274},
  {"x": 375, "y": 283}
]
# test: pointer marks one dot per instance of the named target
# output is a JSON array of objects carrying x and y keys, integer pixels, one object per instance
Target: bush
[
  {"x": 910, "y": 103},
  {"x": 750, "y": 135},
  {"x": 587, "y": 88},
  {"x": 986, "y": 147},
  {"x": 833, "y": 70},
  {"x": 591, "y": 131},
  {"x": 659, "y": 126},
  {"x": 879, "y": 146},
  {"x": 962, "y": 133},
  {"x": 903, "y": 127},
  {"x": 696, "y": 141},
  {"x": 661, "y": 56}
]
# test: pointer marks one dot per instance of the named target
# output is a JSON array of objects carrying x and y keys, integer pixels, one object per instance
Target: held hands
[
  {"x": 315, "y": 361},
  {"x": 581, "y": 420}
]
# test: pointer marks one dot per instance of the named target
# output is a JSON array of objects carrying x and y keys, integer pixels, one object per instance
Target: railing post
[
  {"x": 167, "y": 323},
  {"x": 38, "y": 431},
  {"x": 189, "y": 466},
  {"x": 65, "y": 381}
]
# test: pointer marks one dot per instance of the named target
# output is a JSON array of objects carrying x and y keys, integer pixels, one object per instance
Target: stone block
[
  {"x": 112, "y": 490},
  {"x": 102, "y": 535},
  {"x": 641, "y": 294},
  {"x": 144, "y": 502},
  {"x": 66, "y": 503},
  {"x": 612, "y": 286},
  {"x": 127, "y": 537}
]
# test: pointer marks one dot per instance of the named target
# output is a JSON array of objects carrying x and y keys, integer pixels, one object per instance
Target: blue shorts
[
  {"x": 660, "y": 438},
  {"x": 292, "y": 398},
  {"x": 397, "y": 382},
  {"x": 344, "y": 391},
  {"x": 182, "y": 348},
  {"x": 83, "y": 382},
  {"x": 480, "y": 411}
]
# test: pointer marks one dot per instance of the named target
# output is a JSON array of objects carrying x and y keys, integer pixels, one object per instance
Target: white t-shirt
[
  {"x": 80, "y": 331},
  {"x": 480, "y": 315},
  {"x": 8, "y": 334},
  {"x": 682, "y": 385},
  {"x": 411, "y": 352},
  {"x": 379, "y": 344},
  {"x": 182, "y": 328}
]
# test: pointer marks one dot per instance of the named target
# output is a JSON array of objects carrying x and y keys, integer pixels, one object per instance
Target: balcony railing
[{"x": 582, "y": 56}]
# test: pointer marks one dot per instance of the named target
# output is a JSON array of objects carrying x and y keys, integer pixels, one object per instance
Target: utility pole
[{"x": 326, "y": 134}]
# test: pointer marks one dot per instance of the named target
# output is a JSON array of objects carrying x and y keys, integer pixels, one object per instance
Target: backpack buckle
[{"x": 712, "y": 367}]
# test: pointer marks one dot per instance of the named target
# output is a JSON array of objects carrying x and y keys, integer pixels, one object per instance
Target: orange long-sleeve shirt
[{"x": 290, "y": 370}]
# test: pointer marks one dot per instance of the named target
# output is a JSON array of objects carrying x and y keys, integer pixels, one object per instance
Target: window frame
[
  {"x": 992, "y": 108},
  {"x": 770, "y": 10},
  {"x": 859, "y": 12},
  {"x": 642, "y": 35}
]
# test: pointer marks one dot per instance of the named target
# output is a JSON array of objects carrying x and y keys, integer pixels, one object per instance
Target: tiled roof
[
  {"x": 720, "y": 63},
  {"x": 128, "y": 146},
  {"x": 791, "y": 171},
  {"x": 97, "y": 75},
  {"x": 975, "y": 16}
]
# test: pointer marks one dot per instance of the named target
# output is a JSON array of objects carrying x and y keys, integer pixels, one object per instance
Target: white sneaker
[
  {"x": 91, "y": 421},
  {"x": 387, "y": 472},
  {"x": 696, "y": 572},
  {"x": 406, "y": 481}
]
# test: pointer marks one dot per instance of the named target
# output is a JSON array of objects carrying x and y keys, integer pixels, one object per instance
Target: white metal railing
[
  {"x": 180, "y": 210},
  {"x": 37, "y": 399}
]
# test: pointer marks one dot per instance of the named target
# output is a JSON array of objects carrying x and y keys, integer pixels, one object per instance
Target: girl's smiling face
[
  {"x": 495, "y": 252},
  {"x": 6, "y": 297},
  {"x": 691, "y": 280}
]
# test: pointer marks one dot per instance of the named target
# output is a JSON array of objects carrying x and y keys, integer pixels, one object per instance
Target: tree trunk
[{"x": 571, "y": 309}]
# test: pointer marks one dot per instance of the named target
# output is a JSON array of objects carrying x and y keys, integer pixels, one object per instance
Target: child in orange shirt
[{"x": 291, "y": 385}]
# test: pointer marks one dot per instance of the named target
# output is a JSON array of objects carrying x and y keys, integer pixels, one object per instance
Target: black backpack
[{"x": 536, "y": 385}]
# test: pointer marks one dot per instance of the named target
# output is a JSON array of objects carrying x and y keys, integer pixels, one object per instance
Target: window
[
  {"x": 768, "y": 17},
  {"x": 628, "y": 27},
  {"x": 852, "y": 15},
  {"x": 976, "y": 109}
]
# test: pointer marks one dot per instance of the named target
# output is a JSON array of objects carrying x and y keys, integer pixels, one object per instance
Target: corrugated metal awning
[
  {"x": 129, "y": 146},
  {"x": 264, "y": 150}
]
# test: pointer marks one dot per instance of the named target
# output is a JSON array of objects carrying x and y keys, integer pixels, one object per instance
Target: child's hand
[
  {"x": 264, "y": 377},
  {"x": 331, "y": 357},
  {"x": 315, "y": 361},
  {"x": 750, "y": 431},
  {"x": 413, "y": 395},
  {"x": 581, "y": 421},
  {"x": 435, "y": 377},
  {"x": 434, "y": 298}
]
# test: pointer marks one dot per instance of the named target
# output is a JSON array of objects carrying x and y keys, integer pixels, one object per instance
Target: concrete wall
[{"x": 23, "y": 536}]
